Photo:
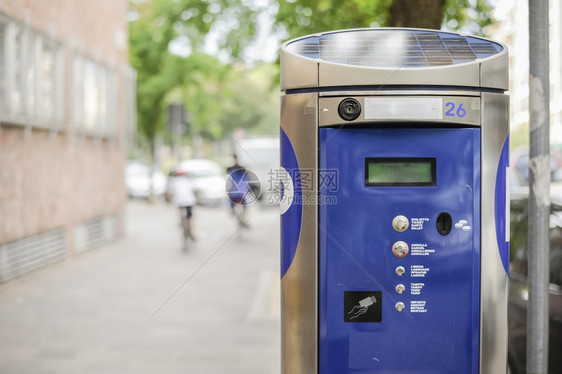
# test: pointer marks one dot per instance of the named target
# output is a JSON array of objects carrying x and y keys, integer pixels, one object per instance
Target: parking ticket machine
[{"x": 394, "y": 177}]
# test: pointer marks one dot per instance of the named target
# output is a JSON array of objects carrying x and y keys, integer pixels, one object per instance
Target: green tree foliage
[
  {"x": 167, "y": 39},
  {"x": 249, "y": 100},
  {"x": 154, "y": 26},
  {"x": 471, "y": 16},
  {"x": 302, "y": 17},
  {"x": 221, "y": 98}
]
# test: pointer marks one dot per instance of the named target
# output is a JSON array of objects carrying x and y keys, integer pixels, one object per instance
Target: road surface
[{"x": 139, "y": 305}]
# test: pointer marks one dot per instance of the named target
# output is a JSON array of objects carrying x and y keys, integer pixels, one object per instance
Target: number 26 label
[{"x": 452, "y": 110}]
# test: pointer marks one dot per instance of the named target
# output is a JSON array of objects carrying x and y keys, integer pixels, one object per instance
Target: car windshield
[
  {"x": 137, "y": 169},
  {"x": 203, "y": 173},
  {"x": 200, "y": 169}
]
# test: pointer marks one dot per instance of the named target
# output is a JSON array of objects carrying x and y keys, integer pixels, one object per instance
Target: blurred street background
[
  {"x": 103, "y": 104},
  {"x": 141, "y": 305}
]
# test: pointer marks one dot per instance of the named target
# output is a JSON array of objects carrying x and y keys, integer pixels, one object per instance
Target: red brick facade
[{"x": 60, "y": 171}]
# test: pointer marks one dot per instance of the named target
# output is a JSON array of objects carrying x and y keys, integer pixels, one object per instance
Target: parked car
[
  {"x": 209, "y": 180},
  {"x": 518, "y": 290},
  {"x": 139, "y": 181}
]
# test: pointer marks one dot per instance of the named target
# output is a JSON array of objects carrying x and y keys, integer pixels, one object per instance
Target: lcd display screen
[{"x": 400, "y": 172}]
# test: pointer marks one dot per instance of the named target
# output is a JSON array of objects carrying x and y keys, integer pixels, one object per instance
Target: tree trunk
[
  {"x": 427, "y": 14},
  {"x": 152, "y": 142}
]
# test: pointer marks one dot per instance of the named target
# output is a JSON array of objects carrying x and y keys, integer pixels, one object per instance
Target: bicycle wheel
[
  {"x": 186, "y": 234},
  {"x": 239, "y": 213}
]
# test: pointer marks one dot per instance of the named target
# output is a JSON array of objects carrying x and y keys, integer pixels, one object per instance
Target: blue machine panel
[
  {"x": 291, "y": 214},
  {"x": 371, "y": 318}
]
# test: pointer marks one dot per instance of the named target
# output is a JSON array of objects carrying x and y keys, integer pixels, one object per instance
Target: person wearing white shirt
[{"x": 183, "y": 197}]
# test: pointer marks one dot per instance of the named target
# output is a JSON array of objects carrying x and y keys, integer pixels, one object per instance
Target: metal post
[{"x": 539, "y": 189}]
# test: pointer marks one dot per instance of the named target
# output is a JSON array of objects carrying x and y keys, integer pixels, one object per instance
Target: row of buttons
[{"x": 400, "y": 249}]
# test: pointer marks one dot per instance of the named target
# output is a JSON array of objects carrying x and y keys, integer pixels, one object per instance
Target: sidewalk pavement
[{"x": 140, "y": 305}]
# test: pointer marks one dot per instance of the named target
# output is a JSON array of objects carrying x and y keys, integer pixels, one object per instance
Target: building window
[
  {"x": 129, "y": 104},
  {"x": 31, "y": 82},
  {"x": 94, "y": 106},
  {"x": 47, "y": 73},
  {"x": 3, "y": 88},
  {"x": 93, "y": 101},
  {"x": 17, "y": 42}
]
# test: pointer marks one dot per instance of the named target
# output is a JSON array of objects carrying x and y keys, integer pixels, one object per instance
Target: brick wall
[
  {"x": 52, "y": 178},
  {"x": 98, "y": 25}
]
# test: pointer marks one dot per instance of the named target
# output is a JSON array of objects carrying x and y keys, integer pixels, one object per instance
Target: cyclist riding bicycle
[
  {"x": 238, "y": 189},
  {"x": 184, "y": 198}
]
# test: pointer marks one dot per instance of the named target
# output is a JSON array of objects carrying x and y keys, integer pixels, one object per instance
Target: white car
[
  {"x": 209, "y": 180},
  {"x": 139, "y": 182}
]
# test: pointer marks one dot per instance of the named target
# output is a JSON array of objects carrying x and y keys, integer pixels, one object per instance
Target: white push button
[
  {"x": 400, "y": 223},
  {"x": 400, "y": 288},
  {"x": 400, "y": 306},
  {"x": 400, "y": 271},
  {"x": 400, "y": 249}
]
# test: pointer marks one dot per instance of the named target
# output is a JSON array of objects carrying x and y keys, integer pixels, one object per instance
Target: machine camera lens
[{"x": 349, "y": 109}]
